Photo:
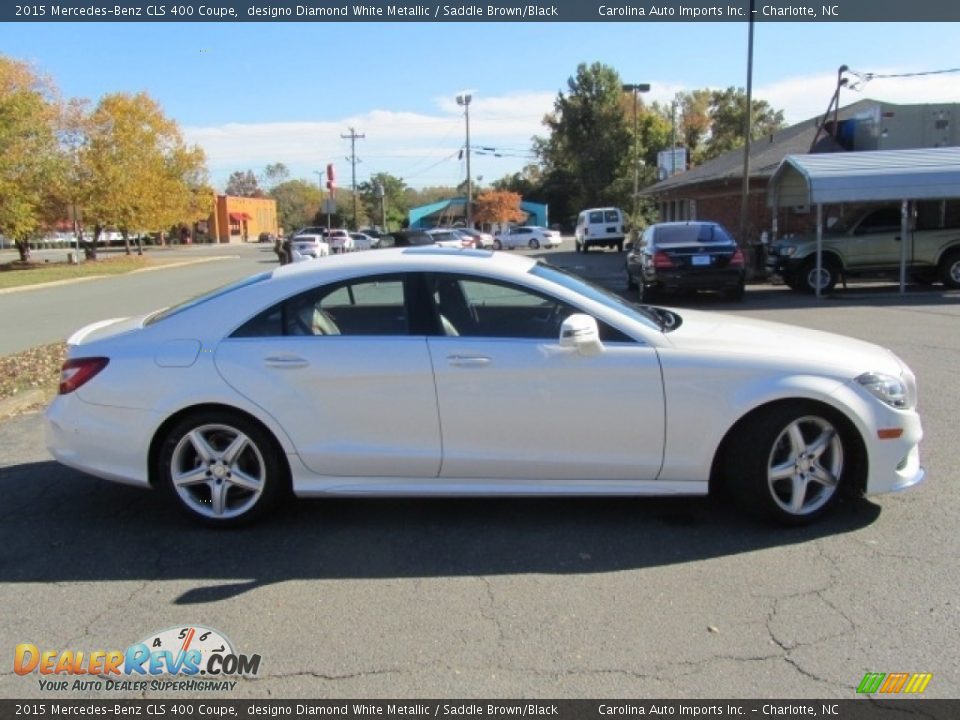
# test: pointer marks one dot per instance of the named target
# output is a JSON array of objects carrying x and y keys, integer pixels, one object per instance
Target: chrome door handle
[
  {"x": 468, "y": 360},
  {"x": 285, "y": 362}
]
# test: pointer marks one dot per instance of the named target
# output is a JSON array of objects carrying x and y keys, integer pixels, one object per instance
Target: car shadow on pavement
[{"x": 60, "y": 525}]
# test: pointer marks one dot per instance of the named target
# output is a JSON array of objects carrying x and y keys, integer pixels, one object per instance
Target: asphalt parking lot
[{"x": 664, "y": 598}]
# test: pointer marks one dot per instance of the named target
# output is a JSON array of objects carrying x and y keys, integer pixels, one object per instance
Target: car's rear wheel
[
  {"x": 735, "y": 293},
  {"x": 222, "y": 468},
  {"x": 827, "y": 277},
  {"x": 788, "y": 462},
  {"x": 950, "y": 269},
  {"x": 534, "y": 244},
  {"x": 497, "y": 244}
]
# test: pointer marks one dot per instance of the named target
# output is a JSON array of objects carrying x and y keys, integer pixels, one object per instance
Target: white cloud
[{"x": 404, "y": 144}]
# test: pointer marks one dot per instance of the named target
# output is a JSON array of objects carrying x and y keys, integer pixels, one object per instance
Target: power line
[{"x": 866, "y": 77}]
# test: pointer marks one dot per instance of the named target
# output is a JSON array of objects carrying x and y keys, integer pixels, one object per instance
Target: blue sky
[{"x": 256, "y": 93}]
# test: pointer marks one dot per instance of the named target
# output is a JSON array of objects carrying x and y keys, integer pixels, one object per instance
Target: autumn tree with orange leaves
[{"x": 498, "y": 207}]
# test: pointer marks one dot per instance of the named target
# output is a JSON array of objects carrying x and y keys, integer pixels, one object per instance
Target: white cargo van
[{"x": 599, "y": 227}]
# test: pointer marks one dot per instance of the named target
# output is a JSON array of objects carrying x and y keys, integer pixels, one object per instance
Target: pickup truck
[{"x": 869, "y": 242}]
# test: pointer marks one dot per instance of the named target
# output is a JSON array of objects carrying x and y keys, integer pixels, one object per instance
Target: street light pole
[
  {"x": 636, "y": 89},
  {"x": 464, "y": 101},
  {"x": 319, "y": 175}
]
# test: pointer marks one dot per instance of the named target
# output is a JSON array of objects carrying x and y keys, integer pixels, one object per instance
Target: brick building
[{"x": 712, "y": 191}]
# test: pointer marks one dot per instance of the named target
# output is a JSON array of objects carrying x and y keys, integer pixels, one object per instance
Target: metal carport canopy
[{"x": 868, "y": 176}]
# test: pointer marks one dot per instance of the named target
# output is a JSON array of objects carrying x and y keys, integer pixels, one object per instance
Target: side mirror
[{"x": 581, "y": 332}]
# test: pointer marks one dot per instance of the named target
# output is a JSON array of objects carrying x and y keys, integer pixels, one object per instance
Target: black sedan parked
[{"x": 678, "y": 256}]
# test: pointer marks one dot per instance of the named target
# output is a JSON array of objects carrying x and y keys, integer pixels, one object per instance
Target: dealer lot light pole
[{"x": 636, "y": 89}]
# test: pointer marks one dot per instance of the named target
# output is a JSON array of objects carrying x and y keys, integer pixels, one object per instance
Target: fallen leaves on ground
[{"x": 37, "y": 367}]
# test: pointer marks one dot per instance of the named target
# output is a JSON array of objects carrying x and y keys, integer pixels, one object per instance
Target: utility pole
[
  {"x": 747, "y": 128},
  {"x": 464, "y": 101},
  {"x": 353, "y": 137}
]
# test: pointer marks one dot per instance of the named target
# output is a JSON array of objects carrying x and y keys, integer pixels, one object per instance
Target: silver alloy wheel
[
  {"x": 217, "y": 471},
  {"x": 805, "y": 465},
  {"x": 826, "y": 278},
  {"x": 953, "y": 271},
  {"x": 534, "y": 244}
]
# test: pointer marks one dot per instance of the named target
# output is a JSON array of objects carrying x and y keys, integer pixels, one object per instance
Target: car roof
[{"x": 410, "y": 259}]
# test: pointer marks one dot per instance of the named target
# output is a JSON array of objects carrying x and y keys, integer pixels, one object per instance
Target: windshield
[
  {"x": 562, "y": 277},
  {"x": 200, "y": 299}
]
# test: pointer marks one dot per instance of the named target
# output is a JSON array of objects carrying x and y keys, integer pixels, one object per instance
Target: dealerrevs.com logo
[{"x": 188, "y": 658}]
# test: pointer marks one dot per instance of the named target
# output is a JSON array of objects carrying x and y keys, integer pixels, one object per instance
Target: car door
[
  {"x": 877, "y": 240},
  {"x": 515, "y": 405},
  {"x": 337, "y": 368}
]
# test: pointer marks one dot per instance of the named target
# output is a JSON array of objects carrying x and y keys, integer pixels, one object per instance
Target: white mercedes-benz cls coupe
[{"x": 434, "y": 372}]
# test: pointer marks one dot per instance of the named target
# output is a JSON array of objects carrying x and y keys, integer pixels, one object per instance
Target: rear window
[
  {"x": 613, "y": 216},
  {"x": 199, "y": 300},
  {"x": 596, "y": 216},
  {"x": 680, "y": 234}
]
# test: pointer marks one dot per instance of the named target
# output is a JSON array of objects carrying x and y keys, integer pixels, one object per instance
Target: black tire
[
  {"x": 789, "y": 462},
  {"x": 198, "y": 451},
  {"x": 950, "y": 269},
  {"x": 534, "y": 244},
  {"x": 631, "y": 281},
  {"x": 829, "y": 272},
  {"x": 620, "y": 246},
  {"x": 497, "y": 245},
  {"x": 586, "y": 247},
  {"x": 735, "y": 293},
  {"x": 648, "y": 293}
]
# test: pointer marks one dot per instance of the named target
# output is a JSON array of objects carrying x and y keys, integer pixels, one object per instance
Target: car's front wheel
[
  {"x": 497, "y": 245},
  {"x": 789, "y": 461},
  {"x": 222, "y": 468},
  {"x": 534, "y": 244},
  {"x": 826, "y": 278}
]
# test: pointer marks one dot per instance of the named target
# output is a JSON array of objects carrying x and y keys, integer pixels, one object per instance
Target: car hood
[{"x": 718, "y": 334}]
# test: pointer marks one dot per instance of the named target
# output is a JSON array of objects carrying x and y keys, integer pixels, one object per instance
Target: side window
[
  {"x": 477, "y": 307},
  {"x": 359, "y": 307},
  {"x": 880, "y": 221}
]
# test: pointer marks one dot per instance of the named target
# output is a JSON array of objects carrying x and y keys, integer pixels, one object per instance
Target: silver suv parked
[{"x": 870, "y": 242}]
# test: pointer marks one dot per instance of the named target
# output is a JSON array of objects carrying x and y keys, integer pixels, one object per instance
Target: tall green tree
[
  {"x": 710, "y": 122},
  {"x": 298, "y": 203},
  {"x": 728, "y": 111},
  {"x": 590, "y": 138},
  {"x": 395, "y": 199},
  {"x": 29, "y": 152}
]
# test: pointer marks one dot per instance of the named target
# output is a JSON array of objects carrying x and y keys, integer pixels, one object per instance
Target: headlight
[
  {"x": 887, "y": 388},
  {"x": 786, "y": 250}
]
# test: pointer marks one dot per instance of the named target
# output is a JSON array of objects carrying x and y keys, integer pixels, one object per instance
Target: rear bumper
[{"x": 714, "y": 279}]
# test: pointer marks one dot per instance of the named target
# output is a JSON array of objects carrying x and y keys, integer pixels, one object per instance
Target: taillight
[
  {"x": 737, "y": 259},
  {"x": 79, "y": 371},
  {"x": 662, "y": 260}
]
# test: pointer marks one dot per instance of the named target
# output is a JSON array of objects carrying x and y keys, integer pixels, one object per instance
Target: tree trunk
[
  {"x": 90, "y": 248},
  {"x": 23, "y": 247}
]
